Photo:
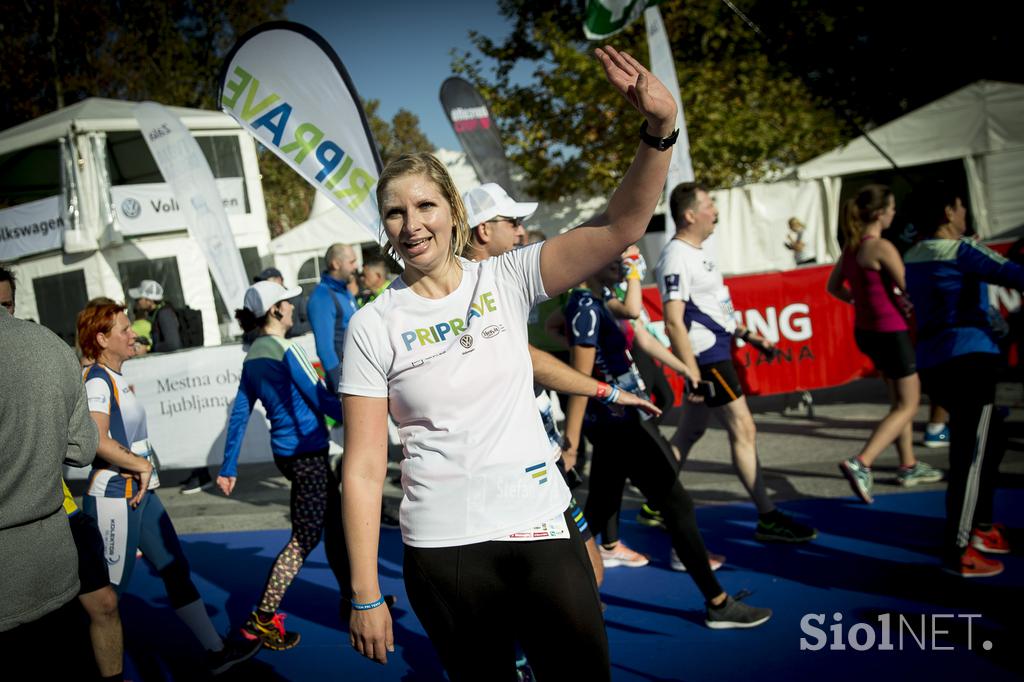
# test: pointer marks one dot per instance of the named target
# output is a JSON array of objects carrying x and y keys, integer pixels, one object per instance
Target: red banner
[{"x": 813, "y": 331}]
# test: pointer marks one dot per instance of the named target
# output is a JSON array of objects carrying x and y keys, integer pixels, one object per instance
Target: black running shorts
[
  {"x": 892, "y": 352},
  {"x": 92, "y": 565},
  {"x": 727, "y": 383}
]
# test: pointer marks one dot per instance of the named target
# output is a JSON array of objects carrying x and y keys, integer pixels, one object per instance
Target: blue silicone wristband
[
  {"x": 612, "y": 395},
  {"x": 367, "y": 607}
]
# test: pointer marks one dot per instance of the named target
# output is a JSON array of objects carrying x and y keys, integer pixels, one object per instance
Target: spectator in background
[
  {"x": 301, "y": 320},
  {"x": 330, "y": 307},
  {"x": 165, "y": 330},
  {"x": 165, "y": 336},
  {"x": 803, "y": 253},
  {"x": 959, "y": 361},
  {"x": 373, "y": 279},
  {"x": 44, "y": 422}
]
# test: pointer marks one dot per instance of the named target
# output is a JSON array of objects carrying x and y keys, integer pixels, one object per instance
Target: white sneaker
[
  {"x": 620, "y": 555},
  {"x": 716, "y": 561}
]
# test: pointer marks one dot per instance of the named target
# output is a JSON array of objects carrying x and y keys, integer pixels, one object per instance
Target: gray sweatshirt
[{"x": 44, "y": 421}]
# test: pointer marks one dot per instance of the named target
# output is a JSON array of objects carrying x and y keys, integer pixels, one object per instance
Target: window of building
[
  {"x": 131, "y": 163},
  {"x": 30, "y": 174},
  {"x": 253, "y": 266},
  {"x": 59, "y": 298}
]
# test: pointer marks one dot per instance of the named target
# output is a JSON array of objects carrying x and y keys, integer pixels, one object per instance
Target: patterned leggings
[{"x": 309, "y": 476}]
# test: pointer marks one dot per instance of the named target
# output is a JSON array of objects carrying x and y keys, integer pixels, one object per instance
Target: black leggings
[
  {"x": 634, "y": 448},
  {"x": 476, "y": 601},
  {"x": 966, "y": 387}
]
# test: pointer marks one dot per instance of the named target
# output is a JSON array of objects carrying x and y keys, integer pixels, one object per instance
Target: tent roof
[
  {"x": 97, "y": 113},
  {"x": 980, "y": 118}
]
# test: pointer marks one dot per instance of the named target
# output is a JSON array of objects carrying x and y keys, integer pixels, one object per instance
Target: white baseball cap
[
  {"x": 490, "y": 200},
  {"x": 147, "y": 289},
  {"x": 260, "y": 297}
]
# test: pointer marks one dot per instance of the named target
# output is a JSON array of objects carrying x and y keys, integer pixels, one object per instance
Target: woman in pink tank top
[{"x": 864, "y": 276}]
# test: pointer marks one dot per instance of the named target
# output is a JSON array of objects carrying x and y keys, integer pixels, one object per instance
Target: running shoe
[
  {"x": 735, "y": 614},
  {"x": 620, "y": 555},
  {"x": 992, "y": 541},
  {"x": 937, "y": 440},
  {"x": 919, "y": 473},
  {"x": 716, "y": 561},
  {"x": 235, "y": 651},
  {"x": 974, "y": 564},
  {"x": 778, "y": 527},
  {"x": 860, "y": 478},
  {"x": 271, "y": 633},
  {"x": 650, "y": 517}
]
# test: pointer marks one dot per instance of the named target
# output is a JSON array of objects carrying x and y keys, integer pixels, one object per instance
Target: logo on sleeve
[{"x": 672, "y": 282}]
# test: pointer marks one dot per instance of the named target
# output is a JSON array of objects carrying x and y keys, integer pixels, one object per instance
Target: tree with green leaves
[
  {"x": 56, "y": 53},
  {"x": 746, "y": 116}
]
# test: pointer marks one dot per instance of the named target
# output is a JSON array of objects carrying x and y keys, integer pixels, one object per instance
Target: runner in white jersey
[
  {"x": 121, "y": 496},
  {"x": 700, "y": 323},
  {"x": 445, "y": 351}
]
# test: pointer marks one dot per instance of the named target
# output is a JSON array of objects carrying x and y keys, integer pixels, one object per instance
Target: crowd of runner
[{"x": 493, "y": 318}]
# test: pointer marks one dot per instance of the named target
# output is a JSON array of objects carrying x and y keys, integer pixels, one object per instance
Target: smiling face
[
  {"x": 418, "y": 222},
  {"x": 119, "y": 343}
]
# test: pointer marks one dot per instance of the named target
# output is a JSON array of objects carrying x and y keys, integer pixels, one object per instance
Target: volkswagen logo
[
  {"x": 466, "y": 340},
  {"x": 131, "y": 208}
]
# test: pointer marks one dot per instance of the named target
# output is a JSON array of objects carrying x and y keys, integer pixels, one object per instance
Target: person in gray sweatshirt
[{"x": 44, "y": 422}]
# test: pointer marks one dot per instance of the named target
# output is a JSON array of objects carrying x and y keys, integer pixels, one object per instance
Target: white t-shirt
[
  {"x": 686, "y": 273},
  {"x": 478, "y": 464},
  {"x": 133, "y": 416}
]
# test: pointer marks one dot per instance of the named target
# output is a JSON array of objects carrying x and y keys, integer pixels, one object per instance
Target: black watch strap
[{"x": 659, "y": 143}]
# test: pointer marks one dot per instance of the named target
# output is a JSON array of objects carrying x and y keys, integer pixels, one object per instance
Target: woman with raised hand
[
  {"x": 277, "y": 372},
  {"x": 489, "y": 549},
  {"x": 865, "y": 276}
]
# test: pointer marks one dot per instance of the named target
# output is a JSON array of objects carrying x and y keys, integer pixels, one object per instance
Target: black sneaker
[
  {"x": 735, "y": 614},
  {"x": 235, "y": 651},
  {"x": 197, "y": 481},
  {"x": 781, "y": 528},
  {"x": 272, "y": 633}
]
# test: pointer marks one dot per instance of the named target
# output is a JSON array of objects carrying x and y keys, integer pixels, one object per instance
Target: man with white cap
[
  {"x": 166, "y": 332},
  {"x": 496, "y": 220}
]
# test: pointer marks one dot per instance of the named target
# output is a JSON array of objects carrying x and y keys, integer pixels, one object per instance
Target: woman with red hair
[{"x": 121, "y": 494}]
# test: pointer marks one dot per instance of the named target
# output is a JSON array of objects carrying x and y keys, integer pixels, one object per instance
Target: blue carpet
[{"x": 870, "y": 564}]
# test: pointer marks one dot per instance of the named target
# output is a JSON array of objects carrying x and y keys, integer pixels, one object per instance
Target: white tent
[
  {"x": 981, "y": 124},
  {"x": 85, "y": 172}
]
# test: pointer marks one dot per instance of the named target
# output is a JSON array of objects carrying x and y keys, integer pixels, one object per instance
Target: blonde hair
[
  {"x": 423, "y": 163},
  {"x": 860, "y": 210}
]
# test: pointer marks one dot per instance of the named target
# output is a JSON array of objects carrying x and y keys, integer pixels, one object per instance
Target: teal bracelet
[{"x": 367, "y": 607}]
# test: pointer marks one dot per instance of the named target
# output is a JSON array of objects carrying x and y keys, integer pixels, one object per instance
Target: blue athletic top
[
  {"x": 944, "y": 280},
  {"x": 329, "y": 298},
  {"x": 592, "y": 325},
  {"x": 278, "y": 373}
]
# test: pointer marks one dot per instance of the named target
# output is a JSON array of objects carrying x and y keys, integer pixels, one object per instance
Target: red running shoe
[
  {"x": 974, "y": 564},
  {"x": 991, "y": 541}
]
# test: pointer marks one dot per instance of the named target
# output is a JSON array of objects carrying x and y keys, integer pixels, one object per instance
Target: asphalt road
[{"x": 798, "y": 455}]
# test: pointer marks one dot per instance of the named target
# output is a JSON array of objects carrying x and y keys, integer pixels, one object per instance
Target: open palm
[{"x": 638, "y": 85}]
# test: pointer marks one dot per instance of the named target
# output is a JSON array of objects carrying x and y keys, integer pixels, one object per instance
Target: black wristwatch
[{"x": 659, "y": 143}]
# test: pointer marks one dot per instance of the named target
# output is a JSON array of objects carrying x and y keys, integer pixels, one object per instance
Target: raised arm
[
  {"x": 573, "y": 256},
  {"x": 362, "y": 474},
  {"x": 633, "y": 305}
]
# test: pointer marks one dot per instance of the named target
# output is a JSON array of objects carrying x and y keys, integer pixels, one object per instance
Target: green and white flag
[{"x": 605, "y": 18}]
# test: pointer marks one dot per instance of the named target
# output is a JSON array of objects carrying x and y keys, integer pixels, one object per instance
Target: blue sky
[{"x": 397, "y": 51}]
